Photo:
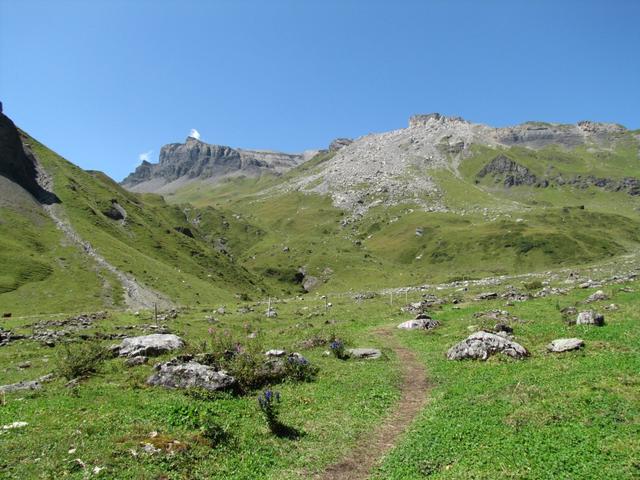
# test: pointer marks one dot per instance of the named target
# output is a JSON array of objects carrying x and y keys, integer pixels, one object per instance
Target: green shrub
[
  {"x": 80, "y": 359},
  {"x": 533, "y": 285}
]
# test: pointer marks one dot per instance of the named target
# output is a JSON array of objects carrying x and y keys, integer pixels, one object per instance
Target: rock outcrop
[
  {"x": 183, "y": 162},
  {"x": 18, "y": 163},
  {"x": 511, "y": 173}
]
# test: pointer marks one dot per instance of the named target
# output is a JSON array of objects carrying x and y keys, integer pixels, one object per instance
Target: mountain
[
  {"x": 73, "y": 240},
  {"x": 440, "y": 200},
  {"x": 180, "y": 163}
]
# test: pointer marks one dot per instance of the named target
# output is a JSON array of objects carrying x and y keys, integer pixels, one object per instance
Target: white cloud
[
  {"x": 195, "y": 134},
  {"x": 145, "y": 156}
]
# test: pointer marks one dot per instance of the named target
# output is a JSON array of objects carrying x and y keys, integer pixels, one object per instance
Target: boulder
[
  {"x": 565, "y": 344},
  {"x": 177, "y": 373},
  {"x": 149, "y": 345},
  {"x": 365, "y": 353},
  {"x": 481, "y": 345},
  {"x": 597, "y": 297},
  {"x": 310, "y": 282},
  {"x": 590, "y": 317},
  {"x": 419, "y": 323}
]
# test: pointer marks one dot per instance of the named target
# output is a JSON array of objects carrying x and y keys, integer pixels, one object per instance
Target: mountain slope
[
  {"x": 443, "y": 199},
  {"x": 159, "y": 247}
]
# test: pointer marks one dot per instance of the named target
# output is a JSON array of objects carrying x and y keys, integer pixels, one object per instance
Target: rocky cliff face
[
  {"x": 17, "y": 162},
  {"x": 180, "y": 163}
]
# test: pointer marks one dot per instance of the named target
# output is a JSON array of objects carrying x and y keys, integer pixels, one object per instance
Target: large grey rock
[
  {"x": 481, "y": 345},
  {"x": 590, "y": 317},
  {"x": 149, "y": 345},
  {"x": 565, "y": 344},
  {"x": 189, "y": 374},
  {"x": 419, "y": 323},
  {"x": 365, "y": 353}
]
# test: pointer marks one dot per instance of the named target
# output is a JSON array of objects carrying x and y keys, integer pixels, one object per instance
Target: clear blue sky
[{"x": 102, "y": 82}]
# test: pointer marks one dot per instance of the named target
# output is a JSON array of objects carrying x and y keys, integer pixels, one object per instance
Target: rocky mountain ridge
[
  {"x": 180, "y": 163},
  {"x": 394, "y": 167}
]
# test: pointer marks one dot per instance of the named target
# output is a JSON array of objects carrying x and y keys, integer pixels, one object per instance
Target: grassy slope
[
  {"x": 42, "y": 272},
  {"x": 575, "y": 415},
  {"x": 188, "y": 270}
]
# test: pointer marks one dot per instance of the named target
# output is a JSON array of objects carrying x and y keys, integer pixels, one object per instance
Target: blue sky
[{"x": 102, "y": 82}]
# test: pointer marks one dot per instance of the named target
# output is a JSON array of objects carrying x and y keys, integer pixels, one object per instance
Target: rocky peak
[
  {"x": 339, "y": 143},
  {"x": 428, "y": 119},
  {"x": 194, "y": 159}
]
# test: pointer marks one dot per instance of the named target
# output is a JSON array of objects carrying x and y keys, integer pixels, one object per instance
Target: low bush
[
  {"x": 533, "y": 285},
  {"x": 81, "y": 359}
]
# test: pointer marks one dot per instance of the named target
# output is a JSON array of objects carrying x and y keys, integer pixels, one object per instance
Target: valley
[{"x": 448, "y": 300}]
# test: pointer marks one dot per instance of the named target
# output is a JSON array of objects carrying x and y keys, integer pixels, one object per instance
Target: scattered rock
[
  {"x": 275, "y": 353},
  {"x": 135, "y": 361},
  {"x": 7, "y": 336},
  {"x": 364, "y": 296},
  {"x": 500, "y": 316},
  {"x": 419, "y": 323},
  {"x": 590, "y": 317},
  {"x": 486, "y": 296},
  {"x": 565, "y": 344},
  {"x": 481, "y": 345},
  {"x": 271, "y": 313},
  {"x": 26, "y": 385},
  {"x": 597, "y": 297},
  {"x": 177, "y": 373},
  {"x": 149, "y": 345},
  {"x": 365, "y": 353},
  {"x": 13, "y": 425},
  {"x": 612, "y": 307}
]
